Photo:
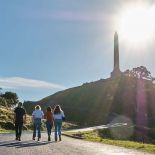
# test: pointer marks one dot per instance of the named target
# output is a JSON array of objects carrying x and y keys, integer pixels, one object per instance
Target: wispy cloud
[{"x": 19, "y": 82}]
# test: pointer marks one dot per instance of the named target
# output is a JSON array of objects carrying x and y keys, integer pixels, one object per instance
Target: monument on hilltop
[{"x": 116, "y": 71}]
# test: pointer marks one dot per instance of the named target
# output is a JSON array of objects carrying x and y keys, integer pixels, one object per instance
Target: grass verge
[
  {"x": 6, "y": 131},
  {"x": 95, "y": 137}
]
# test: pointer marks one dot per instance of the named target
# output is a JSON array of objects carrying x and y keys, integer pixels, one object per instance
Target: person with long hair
[
  {"x": 37, "y": 116},
  {"x": 49, "y": 121},
  {"x": 58, "y": 118}
]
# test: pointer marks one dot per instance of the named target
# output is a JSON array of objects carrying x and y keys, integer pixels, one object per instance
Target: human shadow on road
[
  {"x": 8, "y": 141},
  {"x": 24, "y": 144}
]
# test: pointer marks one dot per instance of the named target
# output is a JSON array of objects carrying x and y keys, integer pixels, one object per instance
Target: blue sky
[{"x": 50, "y": 45}]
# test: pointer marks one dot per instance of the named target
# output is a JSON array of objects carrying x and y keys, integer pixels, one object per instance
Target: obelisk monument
[{"x": 116, "y": 71}]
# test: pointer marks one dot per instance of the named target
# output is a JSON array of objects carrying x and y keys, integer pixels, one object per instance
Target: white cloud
[{"x": 19, "y": 82}]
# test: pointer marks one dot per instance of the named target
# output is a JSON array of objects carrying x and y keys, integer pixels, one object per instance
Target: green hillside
[{"x": 99, "y": 102}]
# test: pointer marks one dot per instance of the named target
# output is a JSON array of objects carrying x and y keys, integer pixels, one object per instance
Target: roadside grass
[
  {"x": 95, "y": 137},
  {"x": 68, "y": 125},
  {"x": 6, "y": 131}
]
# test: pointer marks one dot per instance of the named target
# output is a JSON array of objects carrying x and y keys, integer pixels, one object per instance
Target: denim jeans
[
  {"x": 37, "y": 126},
  {"x": 58, "y": 124},
  {"x": 49, "y": 127}
]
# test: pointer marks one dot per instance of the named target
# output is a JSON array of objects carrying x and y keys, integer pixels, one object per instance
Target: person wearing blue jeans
[
  {"x": 58, "y": 118},
  {"x": 49, "y": 121},
  {"x": 37, "y": 126},
  {"x": 58, "y": 124},
  {"x": 37, "y": 116},
  {"x": 49, "y": 128}
]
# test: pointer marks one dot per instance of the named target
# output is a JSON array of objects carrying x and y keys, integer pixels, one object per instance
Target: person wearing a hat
[{"x": 37, "y": 116}]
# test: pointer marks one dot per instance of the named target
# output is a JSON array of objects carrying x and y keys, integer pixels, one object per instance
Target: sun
[{"x": 136, "y": 24}]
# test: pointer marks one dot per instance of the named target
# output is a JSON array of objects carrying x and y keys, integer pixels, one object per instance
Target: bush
[
  {"x": 152, "y": 133},
  {"x": 43, "y": 125},
  {"x": 8, "y": 126},
  {"x": 2, "y": 124},
  {"x": 29, "y": 126},
  {"x": 25, "y": 127},
  {"x": 3, "y": 117},
  {"x": 104, "y": 133},
  {"x": 3, "y": 102}
]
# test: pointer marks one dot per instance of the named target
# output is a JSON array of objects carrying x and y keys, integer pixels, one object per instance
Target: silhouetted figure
[
  {"x": 49, "y": 121},
  {"x": 37, "y": 116},
  {"x": 58, "y": 118},
  {"x": 19, "y": 118}
]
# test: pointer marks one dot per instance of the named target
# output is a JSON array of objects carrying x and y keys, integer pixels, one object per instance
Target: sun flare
[{"x": 136, "y": 24}]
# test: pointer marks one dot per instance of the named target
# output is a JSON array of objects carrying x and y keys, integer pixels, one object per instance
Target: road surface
[
  {"x": 97, "y": 127},
  {"x": 68, "y": 146}
]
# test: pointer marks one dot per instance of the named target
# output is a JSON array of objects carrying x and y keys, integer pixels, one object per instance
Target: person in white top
[
  {"x": 37, "y": 116},
  {"x": 58, "y": 118}
]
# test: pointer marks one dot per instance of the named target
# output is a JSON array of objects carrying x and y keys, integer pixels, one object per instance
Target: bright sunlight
[{"x": 137, "y": 25}]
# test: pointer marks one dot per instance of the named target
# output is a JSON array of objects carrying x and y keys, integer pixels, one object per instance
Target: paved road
[
  {"x": 68, "y": 146},
  {"x": 97, "y": 127}
]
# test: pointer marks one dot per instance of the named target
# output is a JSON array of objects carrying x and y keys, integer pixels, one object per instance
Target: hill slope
[{"x": 98, "y": 102}]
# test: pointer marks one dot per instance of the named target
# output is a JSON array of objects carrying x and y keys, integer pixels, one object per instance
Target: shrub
[
  {"x": 3, "y": 117},
  {"x": 29, "y": 126},
  {"x": 9, "y": 126},
  {"x": 104, "y": 133},
  {"x": 43, "y": 125},
  {"x": 152, "y": 133},
  {"x": 25, "y": 127},
  {"x": 2, "y": 124}
]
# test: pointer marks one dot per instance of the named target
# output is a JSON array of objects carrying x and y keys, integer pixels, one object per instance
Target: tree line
[{"x": 8, "y": 98}]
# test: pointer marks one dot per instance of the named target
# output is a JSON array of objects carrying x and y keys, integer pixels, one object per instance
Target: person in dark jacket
[{"x": 19, "y": 119}]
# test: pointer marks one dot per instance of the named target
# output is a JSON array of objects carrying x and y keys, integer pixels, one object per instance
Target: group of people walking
[{"x": 53, "y": 118}]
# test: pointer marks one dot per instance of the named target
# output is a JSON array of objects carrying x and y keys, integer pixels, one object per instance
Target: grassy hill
[{"x": 100, "y": 101}]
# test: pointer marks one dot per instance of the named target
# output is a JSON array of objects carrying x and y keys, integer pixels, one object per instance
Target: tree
[
  {"x": 0, "y": 91},
  {"x": 29, "y": 106},
  {"x": 11, "y": 98},
  {"x": 3, "y": 102},
  {"x": 139, "y": 72}
]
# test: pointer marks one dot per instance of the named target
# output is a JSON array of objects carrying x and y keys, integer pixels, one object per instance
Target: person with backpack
[
  {"x": 37, "y": 117},
  {"x": 49, "y": 121},
  {"x": 58, "y": 118},
  {"x": 19, "y": 119}
]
